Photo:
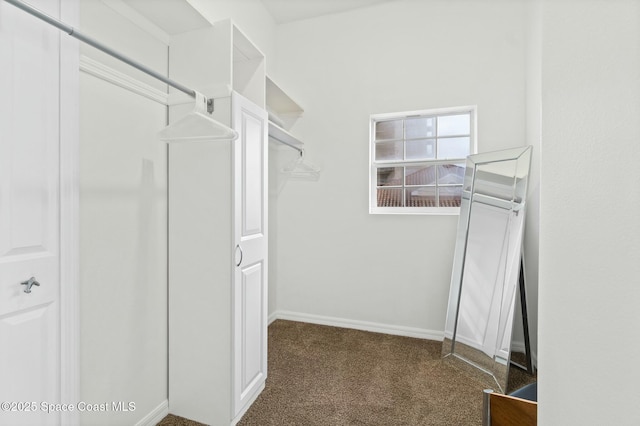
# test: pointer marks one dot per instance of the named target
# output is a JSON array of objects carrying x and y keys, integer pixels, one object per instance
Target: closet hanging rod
[
  {"x": 278, "y": 134},
  {"x": 88, "y": 40},
  {"x": 288, "y": 144}
]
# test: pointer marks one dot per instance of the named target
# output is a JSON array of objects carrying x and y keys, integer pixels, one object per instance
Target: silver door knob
[{"x": 30, "y": 283}]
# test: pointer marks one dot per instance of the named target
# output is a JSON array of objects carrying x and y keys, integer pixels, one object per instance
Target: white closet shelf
[
  {"x": 281, "y": 106},
  {"x": 281, "y": 135},
  {"x": 279, "y": 102}
]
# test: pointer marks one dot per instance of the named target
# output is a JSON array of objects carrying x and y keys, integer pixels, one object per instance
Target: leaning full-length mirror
[{"x": 487, "y": 261}]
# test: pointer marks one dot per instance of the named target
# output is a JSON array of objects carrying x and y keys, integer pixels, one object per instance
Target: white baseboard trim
[
  {"x": 518, "y": 346},
  {"x": 396, "y": 330},
  {"x": 156, "y": 415}
]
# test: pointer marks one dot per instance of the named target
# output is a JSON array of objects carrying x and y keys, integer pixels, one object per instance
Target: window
[{"x": 418, "y": 160}]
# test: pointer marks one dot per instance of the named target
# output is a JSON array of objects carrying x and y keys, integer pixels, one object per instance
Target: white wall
[
  {"x": 589, "y": 201},
  {"x": 123, "y": 228},
  {"x": 533, "y": 111},
  {"x": 334, "y": 259}
]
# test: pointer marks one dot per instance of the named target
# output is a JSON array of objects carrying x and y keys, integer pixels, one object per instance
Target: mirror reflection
[{"x": 486, "y": 265}]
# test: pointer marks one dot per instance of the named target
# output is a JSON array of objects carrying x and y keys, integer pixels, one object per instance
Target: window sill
[{"x": 439, "y": 211}]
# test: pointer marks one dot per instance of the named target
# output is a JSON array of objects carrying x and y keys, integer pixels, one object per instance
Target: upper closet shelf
[
  {"x": 279, "y": 104},
  {"x": 283, "y": 111}
]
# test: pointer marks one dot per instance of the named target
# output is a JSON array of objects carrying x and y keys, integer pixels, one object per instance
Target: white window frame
[{"x": 373, "y": 165}]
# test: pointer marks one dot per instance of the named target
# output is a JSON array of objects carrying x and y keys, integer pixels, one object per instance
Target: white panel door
[
  {"x": 29, "y": 216},
  {"x": 250, "y": 236}
]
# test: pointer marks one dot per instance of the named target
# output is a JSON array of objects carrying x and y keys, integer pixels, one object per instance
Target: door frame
[{"x": 69, "y": 140}]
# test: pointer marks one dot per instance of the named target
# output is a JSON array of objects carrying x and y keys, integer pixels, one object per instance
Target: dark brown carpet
[
  {"x": 321, "y": 375},
  {"x": 172, "y": 420}
]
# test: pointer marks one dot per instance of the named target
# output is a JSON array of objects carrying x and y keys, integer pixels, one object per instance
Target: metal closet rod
[
  {"x": 88, "y": 40},
  {"x": 288, "y": 144}
]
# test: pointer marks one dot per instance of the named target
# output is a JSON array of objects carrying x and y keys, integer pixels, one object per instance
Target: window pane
[
  {"x": 420, "y": 175},
  {"x": 390, "y": 197},
  {"x": 453, "y": 148},
  {"x": 453, "y": 125},
  {"x": 420, "y": 128},
  {"x": 450, "y": 196},
  {"x": 419, "y": 159},
  {"x": 450, "y": 174},
  {"x": 389, "y": 129},
  {"x": 390, "y": 176},
  {"x": 421, "y": 197},
  {"x": 388, "y": 151},
  {"x": 421, "y": 149}
]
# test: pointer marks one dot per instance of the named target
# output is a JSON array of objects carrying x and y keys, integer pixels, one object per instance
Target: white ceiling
[
  {"x": 172, "y": 16},
  {"x": 284, "y": 11},
  {"x": 176, "y": 16}
]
